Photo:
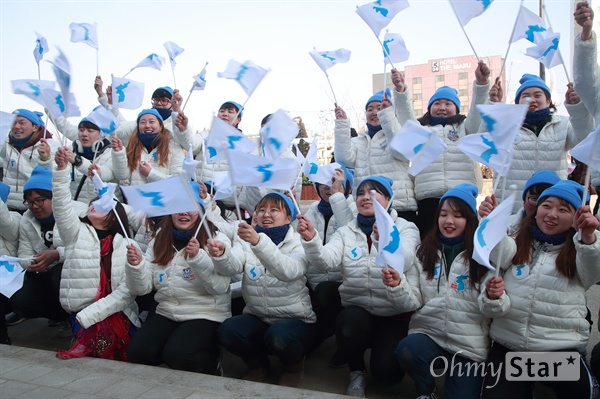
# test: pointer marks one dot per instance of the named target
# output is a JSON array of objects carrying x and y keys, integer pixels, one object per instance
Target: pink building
[{"x": 458, "y": 72}]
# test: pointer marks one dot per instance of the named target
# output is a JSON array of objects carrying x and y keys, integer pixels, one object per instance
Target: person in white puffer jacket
[
  {"x": 557, "y": 260},
  {"x": 193, "y": 299},
  {"x": 92, "y": 285},
  {"x": 371, "y": 318}
]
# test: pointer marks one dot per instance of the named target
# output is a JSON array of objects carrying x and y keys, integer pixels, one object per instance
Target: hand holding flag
[{"x": 390, "y": 244}]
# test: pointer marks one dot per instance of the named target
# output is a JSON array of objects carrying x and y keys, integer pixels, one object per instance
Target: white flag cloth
[
  {"x": 529, "y": 26},
  {"x": 200, "y": 80},
  {"x": 163, "y": 197},
  {"x": 223, "y": 136},
  {"x": 546, "y": 51},
  {"x": 327, "y": 59},
  {"x": 380, "y": 13},
  {"x": 588, "y": 151},
  {"x": 503, "y": 121},
  {"x": 127, "y": 93},
  {"x": 277, "y": 134},
  {"x": 482, "y": 148},
  {"x": 321, "y": 174},
  {"x": 491, "y": 231},
  {"x": 11, "y": 275},
  {"x": 252, "y": 170},
  {"x": 6, "y": 122},
  {"x": 56, "y": 105},
  {"x": 466, "y": 10},
  {"x": 390, "y": 246},
  {"x": 418, "y": 145},
  {"x": 154, "y": 61},
  {"x": 247, "y": 74},
  {"x": 189, "y": 165},
  {"x": 173, "y": 50},
  {"x": 32, "y": 88},
  {"x": 106, "y": 191},
  {"x": 41, "y": 48},
  {"x": 104, "y": 119},
  {"x": 221, "y": 185},
  {"x": 85, "y": 33},
  {"x": 394, "y": 48},
  {"x": 62, "y": 71}
]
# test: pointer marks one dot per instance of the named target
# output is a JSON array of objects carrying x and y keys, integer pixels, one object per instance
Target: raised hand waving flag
[
  {"x": 163, "y": 197},
  {"x": 57, "y": 105},
  {"x": 529, "y": 26},
  {"x": 104, "y": 119},
  {"x": 418, "y": 145},
  {"x": 380, "y": 13},
  {"x": 318, "y": 173},
  {"x": 41, "y": 48},
  {"x": 394, "y": 49},
  {"x": 277, "y": 134},
  {"x": 503, "y": 121},
  {"x": 84, "y": 33},
  {"x": 546, "y": 51},
  {"x": 491, "y": 230},
  {"x": 327, "y": 59},
  {"x": 173, "y": 50},
  {"x": 127, "y": 93},
  {"x": 222, "y": 137},
  {"x": 32, "y": 88},
  {"x": 389, "y": 250},
  {"x": 247, "y": 74},
  {"x": 252, "y": 170},
  {"x": 466, "y": 10}
]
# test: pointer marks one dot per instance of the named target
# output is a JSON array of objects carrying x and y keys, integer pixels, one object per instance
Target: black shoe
[
  {"x": 11, "y": 319},
  {"x": 337, "y": 360}
]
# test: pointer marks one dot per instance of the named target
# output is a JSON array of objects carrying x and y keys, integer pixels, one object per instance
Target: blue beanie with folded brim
[
  {"x": 567, "y": 190},
  {"x": 445, "y": 93},
  {"x": 528, "y": 80},
  {"x": 379, "y": 97},
  {"x": 464, "y": 192},
  {"x": 541, "y": 177}
]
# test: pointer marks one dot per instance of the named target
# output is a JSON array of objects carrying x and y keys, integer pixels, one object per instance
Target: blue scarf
[
  {"x": 325, "y": 208},
  {"x": 88, "y": 153},
  {"x": 48, "y": 220},
  {"x": 147, "y": 140},
  {"x": 372, "y": 129},
  {"x": 450, "y": 241},
  {"x": 554, "y": 239},
  {"x": 165, "y": 113},
  {"x": 365, "y": 224},
  {"x": 276, "y": 234},
  {"x": 438, "y": 120},
  {"x": 535, "y": 118},
  {"x": 183, "y": 235},
  {"x": 20, "y": 143}
]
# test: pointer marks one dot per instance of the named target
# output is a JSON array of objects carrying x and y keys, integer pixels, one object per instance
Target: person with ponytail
[
  {"x": 557, "y": 260},
  {"x": 193, "y": 299}
]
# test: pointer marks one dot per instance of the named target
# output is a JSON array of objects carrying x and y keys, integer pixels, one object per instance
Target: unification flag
[
  {"x": 32, "y": 88},
  {"x": 62, "y": 71},
  {"x": 189, "y": 165},
  {"x": 277, "y": 134},
  {"x": 173, "y": 50},
  {"x": 529, "y": 26},
  {"x": 57, "y": 105},
  {"x": 104, "y": 119},
  {"x": 247, "y": 74},
  {"x": 106, "y": 191},
  {"x": 394, "y": 48},
  {"x": 503, "y": 121},
  {"x": 252, "y": 170},
  {"x": 41, "y": 48},
  {"x": 546, "y": 51},
  {"x": 84, "y": 33},
  {"x": 154, "y": 61},
  {"x": 316, "y": 173},
  {"x": 418, "y": 145},
  {"x": 390, "y": 245},
  {"x": 6, "y": 122},
  {"x": 11, "y": 275},
  {"x": 222, "y": 137},
  {"x": 491, "y": 231},
  {"x": 588, "y": 150},
  {"x": 200, "y": 80},
  {"x": 127, "y": 93},
  {"x": 221, "y": 185},
  {"x": 482, "y": 148},
  {"x": 380, "y": 13},
  {"x": 327, "y": 59},
  {"x": 163, "y": 197},
  {"x": 466, "y": 10}
]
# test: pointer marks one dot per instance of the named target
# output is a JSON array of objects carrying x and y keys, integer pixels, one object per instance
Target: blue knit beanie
[
  {"x": 236, "y": 105},
  {"x": 385, "y": 181},
  {"x": 4, "y": 190},
  {"x": 541, "y": 177},
  {"x": 567, "y": 190},
  {"x": 379, "y": 97},
  {"x": 290, "y": 204},
  {"x": 465, "y": 192},
  {"x": 528, "y": 80},
  {"x": 164, "y": 88},
  {"x": 196, "y": 190},
  {"x": 34, "y": 117},
  {"x": 151, "y": 111},
  {"x": 445, "y": 93},
  {"x": 41, "y": 179}
]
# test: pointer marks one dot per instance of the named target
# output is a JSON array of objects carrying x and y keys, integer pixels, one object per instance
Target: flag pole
[
  {"x": 233, "y": 186},
  {"x": 463, "y": 29},
  {"x": 188, "y": 98},
  {"x": 97, "y": 62},
  {"x": 293, "y": 198},
  {"x": 557, "y": 47},
  {"x": 588, "y": 176},
  {"x": 384, "y": 77},
  {"x": 331, "y": 87},
  {"x": 510, "y": 40},
  {"x": 387, "y": 55},
  {"x": 173, "y": 73},
  {"x": 204, "y": 215}
]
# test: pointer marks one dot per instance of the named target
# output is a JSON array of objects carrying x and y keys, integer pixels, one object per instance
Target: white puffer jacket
[
  {"x": 157, "y": 172},
  {"x": 453, "y": 315},
  {"x": 344, "y": 210},
  {"x": 372, "y": 156},
  {"x": 362, "y": 284},
  {"x": 452, "y": 167},
  {"x": 81, "y": 269},
  {"x": 586, "y": 72},
  {"x": 18, "y": 167},
  {"x": 547, "y": 310},
  {"x": 9, "y": 230},
  {"x": 274, "y": 281},
  {"x": 186, "y": 289}
]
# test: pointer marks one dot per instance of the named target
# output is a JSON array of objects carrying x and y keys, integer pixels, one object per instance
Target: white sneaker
[
  {"x": 432, "y": 395},
  {"x": 358, "y": 383}
]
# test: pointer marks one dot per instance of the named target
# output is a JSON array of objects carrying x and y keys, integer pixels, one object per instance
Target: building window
[
  {"x": 463, "y": 92},
  {"x": 463, "y": 76},
  {"x": 418, "y": 112},
  {"x": 416, "y": 81},
  {"x": 440, "y": 78},
  {"x": 417, "y": 96}
]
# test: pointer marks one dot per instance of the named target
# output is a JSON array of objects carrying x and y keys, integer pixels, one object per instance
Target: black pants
[
  {"x": 327, "y": 304},
  {"x": 187, "y": 345},
  {"x": 39, "y": 296},
  {"x": 409, "y": 216},
  {"x": 524, "y": 389},
  {"x": 357, "y": 330},
  {"x": 426, "y": 214}
]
